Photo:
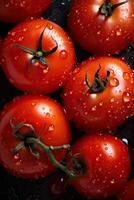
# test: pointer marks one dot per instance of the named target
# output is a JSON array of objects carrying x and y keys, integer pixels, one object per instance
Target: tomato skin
[
  {"x": 128, "y": 192},
  {"x": 50, "y": 124},
  {"x": 35, "y": 77},
  {"x": 0, "y": 48},
  {"x": 108, "y": 109},
  {"x": 98, "y": 34},
  {"x": 107, "y": 166},
  {"x": 16, "y": 10}
]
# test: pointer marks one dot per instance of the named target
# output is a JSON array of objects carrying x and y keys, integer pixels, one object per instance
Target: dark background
[{"x": 13, "y": 188}]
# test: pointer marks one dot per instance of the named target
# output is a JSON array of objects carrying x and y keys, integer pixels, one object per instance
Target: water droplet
[
  {"x": 7, "y": 5},
  {"x": 63, "y": 54},
  {"x": 16, "y": 157},
  {"x": 112, "y": 181},
  {"x": 33, "y": 104},
  {"x": 126, "y": 97},
  {"x": 101, "y": 103},
  {"x": 50, "y": 27},
  {"x": 3, "y": 60},
  {"x": 21, "y": 38},
  {"x": 45, "y": 71},
  {"x": 51, "y": 127},
  {"x": 71, "y": 92},
  {"x": 18, "y": 162},
  {"x": 119, "y": 32},
  {"x": 16, "y": 58},
  {"x": 114, "y": 82},
  {"x": 112, "y": 100},
  {"x": 98, "y": 33},
  {"x": 24, "y": 29},
  {"x": 37, "y": 26},
  {"x": 86, "y": 113},
  {"x": 100, "y": 169},
  {"x": 13, "y": 33},
  {"x": 94, "y": 108},
  {"x": 76, "y": 70},
  {"x": 126, "y": 76},
  {"x": 97, "y": 159}
]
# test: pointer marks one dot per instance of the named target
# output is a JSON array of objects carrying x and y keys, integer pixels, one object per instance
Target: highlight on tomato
[
  {"x": 14, "y": 11},
  {"x": 38, "y": 56},
  {"x": 34, "y": 136},
  {"x": 100, "y": 94},
  {"x": 102, "y": 27}
]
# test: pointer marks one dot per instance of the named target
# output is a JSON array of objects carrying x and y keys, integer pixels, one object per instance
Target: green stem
[
  {"x": 51, "y": 156},
  {"x": 99, "y": 84},
  {"x": 107, "y": 8}
]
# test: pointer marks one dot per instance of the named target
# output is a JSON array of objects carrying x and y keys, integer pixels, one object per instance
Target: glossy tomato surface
[
  {"x": 128, "y": 191},
  {"x": 38, "y": 70},
  {"x": 50, "y": 124},
  {"x": 106, "y": 164},
  {"x": 98, "y": 33},
  {"x": 13, "y": 11},
  {"x": 104, "y": 110}
]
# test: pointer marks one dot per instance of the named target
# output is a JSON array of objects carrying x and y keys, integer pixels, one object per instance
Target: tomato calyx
[
  {"x": 107, "y": 8},
  {"x": 77, "y": 163},
  {"x": 38, "y": 55},
  {"x": 99, "y": 84},
  {"x": 30, "y": 141}
]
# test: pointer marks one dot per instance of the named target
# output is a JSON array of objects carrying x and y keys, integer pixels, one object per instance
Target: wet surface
[{"x": 13, "y": 188}]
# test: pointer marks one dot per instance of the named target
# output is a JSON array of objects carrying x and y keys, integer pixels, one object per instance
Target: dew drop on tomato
[
  {"x": 45, "y": 71},
  {"x": 3, "y": 60},
  {"x": 112, "y": 100},
  {"x": 119, "y": 32},
  {"x": 13, "y": 33},
  {"x": 50, "y": 27},
  {"x": 16, "y": 157},
  {"x": 37, "y": 27},
  {"x": 33, "y": 104},
  {"x": 16, "y": 58},
  {"x": 114, "y": 82},
  {"x": 63, "y": 54},
  {"x": 94, "y": 108},
  {"x": 126, "y": 76},
  {"x": 25, "y": 29},
  {"x": 21, "y": 38},
  {"x": 126, "y": 97},
  {"x": 59, "y": 184},
  {"x": 51, "y": 127}
]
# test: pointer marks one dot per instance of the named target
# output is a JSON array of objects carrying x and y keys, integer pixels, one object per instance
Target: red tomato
[
  {"x": 49, "y": 122},
  {"x": 38, "y": 56},
  {"x": 0, "y": 48},
  {"x": 102, "y": 27},
  {"x": 102, "y": 101},
  {"x": 16, "y": 10},
  {"x": 128, "y": 193},
  {"x": 106, "y": 165}
]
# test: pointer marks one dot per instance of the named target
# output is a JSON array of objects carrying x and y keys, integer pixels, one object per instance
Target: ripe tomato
[
  {"x": 50, "y": 125},
  {"x": 102, "y": 27},
  {"x": 100, "y": 94},
  {"x": 0, "y": 48},
  {"x": 13, "y": 11},
  {"x": 38, "y": 56},
  {"x": 128, "y": 193},
  {"x": 106, "y": 163}
]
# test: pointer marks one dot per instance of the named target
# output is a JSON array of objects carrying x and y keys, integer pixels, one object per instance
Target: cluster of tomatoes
[{"x": 96, "y": 95}]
